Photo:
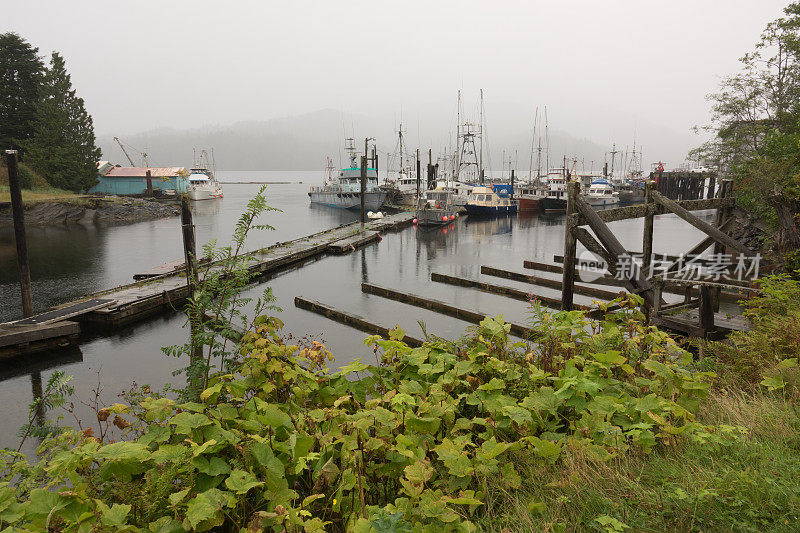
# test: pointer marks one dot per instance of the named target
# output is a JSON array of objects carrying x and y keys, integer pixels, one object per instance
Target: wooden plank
[
  {"x": 441, "y": 307},
  {"x": 702, "y": 225},
  {"x": 350, "y": 244},
  {"x": 63, "y": 313},
  {"x": 556, "y": 269},
  {"x": 29, "y": 334},
  {"x": 348, "y": 319},
  {"x": 639, "y": 211}
]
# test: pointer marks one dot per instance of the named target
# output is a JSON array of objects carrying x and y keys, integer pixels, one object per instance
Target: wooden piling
[
  {"x": 419, "y": 177},
  {"x": 18, "y": 214},
  {"x": 363, "y": 188},
  {"x": 192, "y": 277},
  {"x": 647, "y": 237},
  {"x": 149, "y": 178},
  {"x": 570, "y": 246}
]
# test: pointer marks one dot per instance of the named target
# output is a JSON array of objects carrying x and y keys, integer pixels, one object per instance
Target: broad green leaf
[
  {"x": 241, "y": 481},
  {"x": 123, "y": 451}
]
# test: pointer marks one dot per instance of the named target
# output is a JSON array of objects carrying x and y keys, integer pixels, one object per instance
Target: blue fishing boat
[{"x": 485, "y": 201}]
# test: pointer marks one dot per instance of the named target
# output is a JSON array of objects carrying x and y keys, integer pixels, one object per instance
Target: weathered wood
[
  {"x": 18, "y": 215},
  {"x": 556, "y": 269},
  {"x": 30, "y": 334},
  {"x": 441, "y": 307},
  {"x": 591, "y": 244},
  {"x": 639, "y": 211},
  {"x": 636, "y": 282},
  {"x": 706, "y": 308},
  {"x": 62, "y": 313},
  {"x": 647, "y": 234},
  {"x": 703, "y": 226},
  {"x": 348, "y": 319},
  {"x": 352, "y": 243},
  {"x": 364, "y": 185},
  {"x": 544, "y": 267},
  {"x": 570, "y": 247},
  {"x": 192, "y": 277}
]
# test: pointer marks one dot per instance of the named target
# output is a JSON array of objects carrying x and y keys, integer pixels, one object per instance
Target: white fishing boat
[
  {"x": 602, "y": 194},
  {"x": 201, "y": 185},
  {"x": 344, "y": 190}
]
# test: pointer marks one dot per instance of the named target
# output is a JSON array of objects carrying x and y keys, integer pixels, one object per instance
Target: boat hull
[
  {"x": 204, "y": 194},
  {"x": 528, "y": 203},
  {"x": 602, "y": 202},
  {"x": 435, "y": 217},
  {"x": 553, "y": 205},
  {"x": 631, "y": 197},
  {"x": 349, "y": 200},
  {"x": 490, "y": 210}
]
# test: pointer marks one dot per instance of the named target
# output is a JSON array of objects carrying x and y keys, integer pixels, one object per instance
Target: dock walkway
[{"x": 167, "y": 291}]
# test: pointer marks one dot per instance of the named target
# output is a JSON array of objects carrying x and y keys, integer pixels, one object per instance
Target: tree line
[
  {"x": 755, "y": 121},
  {"x": 42, "y": 117}
]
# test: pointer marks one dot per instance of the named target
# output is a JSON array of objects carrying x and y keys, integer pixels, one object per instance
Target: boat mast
[
  {"x": 547, "y": 139},
  {"x": 480, "y": 131},
  {"x": 533, "y": 144}
]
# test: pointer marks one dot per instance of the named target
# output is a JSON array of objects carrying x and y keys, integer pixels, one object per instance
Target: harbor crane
[{"x": 124, "y": 151}]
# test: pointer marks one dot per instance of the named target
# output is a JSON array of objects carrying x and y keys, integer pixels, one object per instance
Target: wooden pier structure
[{"x": 165, "y": 289}]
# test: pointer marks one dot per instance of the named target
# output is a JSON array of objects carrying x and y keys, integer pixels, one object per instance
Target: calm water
[{"x": 68, "y": 262}]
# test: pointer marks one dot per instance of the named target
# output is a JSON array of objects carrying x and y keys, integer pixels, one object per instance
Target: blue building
[{"x": 133, "y": 180}]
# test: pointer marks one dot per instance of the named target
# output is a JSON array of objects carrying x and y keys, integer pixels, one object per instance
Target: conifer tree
[
  {"x": 63, "y": 146},
  {"x": 20, "y": 74}
]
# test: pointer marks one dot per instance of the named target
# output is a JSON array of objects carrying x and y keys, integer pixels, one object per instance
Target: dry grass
[{"x": 34, "y": 196}]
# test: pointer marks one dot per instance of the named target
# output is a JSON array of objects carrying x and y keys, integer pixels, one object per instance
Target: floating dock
[{"x": 165, "y": 288}]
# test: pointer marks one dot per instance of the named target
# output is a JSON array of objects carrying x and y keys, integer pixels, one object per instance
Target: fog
[{"x": 608, "y": 72}]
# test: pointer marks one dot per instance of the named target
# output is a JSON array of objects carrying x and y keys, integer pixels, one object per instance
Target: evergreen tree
[
  {"x": 63, "y": 146},
  {"x": 20, "y": 75}
]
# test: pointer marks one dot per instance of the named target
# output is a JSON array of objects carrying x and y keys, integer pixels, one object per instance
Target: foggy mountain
[{"x": 302, "y": 142}]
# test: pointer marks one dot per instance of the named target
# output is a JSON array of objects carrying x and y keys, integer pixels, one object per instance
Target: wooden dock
[{"x": 167, "y": 291}]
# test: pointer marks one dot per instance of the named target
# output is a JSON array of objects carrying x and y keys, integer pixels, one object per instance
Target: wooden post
[
  {"x": 647, "y": 236},
  {"x": 149, "y": 177},
  {"x": 18, "y": 214},
  {"x": 419, "y": 177},
  {"x": 568, "y": 276},
  {"x": 512, "y": 183},
  {"x": 706, "y": 309},
  {"x": 363, "y": 188},
  {"x": 192, "y": 278},
  {"x": 725, "y": 188}
]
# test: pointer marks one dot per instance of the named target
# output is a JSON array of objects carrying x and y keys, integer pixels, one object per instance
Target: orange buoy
[{"x": 415, "y": 221}]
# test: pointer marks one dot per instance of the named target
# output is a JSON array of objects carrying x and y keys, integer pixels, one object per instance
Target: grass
[
  {"x": 39, "y": 195},
  {"x": 41, "y": 191},
  {"x": 748, "y": 486}
]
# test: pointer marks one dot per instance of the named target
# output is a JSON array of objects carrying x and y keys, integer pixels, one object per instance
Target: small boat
[
  {"x": 344, "y": 191},
  {"x": 555, "y": 200},
  {"x": 631, "y": 192},
  {"x": 601, "y": 194},
  {"x": 436, "y": 209},
  {"x": 485, "y": 201},
  {"x": 201, "y": 185}
]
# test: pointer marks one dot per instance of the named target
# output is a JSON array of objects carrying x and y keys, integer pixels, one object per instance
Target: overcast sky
[{"x": 607, "y": 68}]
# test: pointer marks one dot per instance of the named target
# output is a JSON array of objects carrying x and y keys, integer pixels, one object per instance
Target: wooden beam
[
  {"x": 591, "y": 244},
  {"x": 351, "y": 320},
  {"x": 441, "y": 307},
  {"x": 637, "y": 283},
  {"x": 647, "y": 234},
  {"x": 702, "y": 225}
]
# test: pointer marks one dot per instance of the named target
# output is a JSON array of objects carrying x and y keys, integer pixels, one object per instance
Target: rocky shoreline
[{"x": 105, "y": 211}]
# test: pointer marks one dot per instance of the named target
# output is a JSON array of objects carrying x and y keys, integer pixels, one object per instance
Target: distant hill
[{"x": 302, "y": 142}]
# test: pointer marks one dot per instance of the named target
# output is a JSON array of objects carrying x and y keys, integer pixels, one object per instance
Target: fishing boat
[
  {"x": 201, "y": 184},
  {"x": 344, "y": 191},
  {"x": 602, "y": 194},
  {"x": 529, "y": 197},
  {"x": 436, "y": 209},
  {"x": 631, "y": 192},
  {"x": 555, "y": 200},
  {"x": 486, "y": 201}
]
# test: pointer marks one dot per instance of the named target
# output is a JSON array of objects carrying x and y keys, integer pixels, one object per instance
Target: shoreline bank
[{"x": 90, "y": 210}]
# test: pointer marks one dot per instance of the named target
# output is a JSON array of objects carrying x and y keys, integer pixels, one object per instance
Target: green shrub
[{"x": 408, "y": 444}]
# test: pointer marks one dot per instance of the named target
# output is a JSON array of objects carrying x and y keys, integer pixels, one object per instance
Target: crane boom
[{"x": 124, "y": 151}]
